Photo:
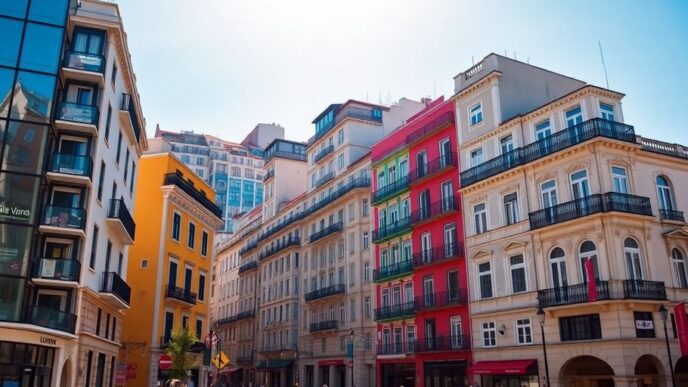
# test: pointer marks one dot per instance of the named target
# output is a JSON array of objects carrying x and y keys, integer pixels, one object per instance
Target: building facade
[
  {"x": 170, "y": 273},
  {"x": 68, "y": 177},
  {"x": 574, "y": 224}
]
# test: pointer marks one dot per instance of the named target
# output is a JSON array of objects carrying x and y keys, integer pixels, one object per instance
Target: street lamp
[
  {"x": 664, "y": 314},
  {"x": 541, "y": 319}
]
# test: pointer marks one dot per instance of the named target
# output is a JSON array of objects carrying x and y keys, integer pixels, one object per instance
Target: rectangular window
[
  {"x": 518, "y": 273},
  {"x": 366, "y": 240},
  {"x": 506, "y": 144},
  {"x": 133, "y": 177},
  {"x": 366, "y": 272},
  {"x": 119, "y": 148},
  {"x": 367, "y": 307},
  {"x": 192, "y": 235},
  {"x": 201, "y": 287},
  {"x": 574, "y": 117},
  {"x": 476, "y": 114},
  {"x": 489, "y": 334},
  {"x": 176, "y": 226},
  {"x": 101, "y": 181},
  {"x": 89, "y": 364},
  {"x": 107, "y": 122},
  {"x": 644, "y": 325},
  {"x": 99, "y": 316},
  {"x": 524, "y": 333},
  {"x": 586, "y": 327},
  {"x": 620, "y": 179},
  {"x": 485, "y": 277},
  {"x": 480, "y": 216},
  {"x": 94, "y": 248},
  {"x": 340, "y": 161},
  {"x": 113, "y": 75},
  {"x": 204, "y": 243},
  {"x": 199, "y": 329},
  {"x": 477, "y": 157},
  {"x": 114, "y": 328},
  {"x": 511, "y": 208},
  {"x": 340, "y": 136},
  {"x": 352, "y": 313},
  {"x": 607, "y": 111},
  {"x": 126, "y": 165},
  {"x": 364, "y": 207}
]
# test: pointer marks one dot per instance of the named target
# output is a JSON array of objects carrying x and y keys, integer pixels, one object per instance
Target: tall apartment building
[
  {"x": 170, "y": 273},
  {"x": 573, "y": 224},
  {"x": 422, "y": 313},
  {"x": 73, "y": 134},
  {"x": 235, "y": 171}
]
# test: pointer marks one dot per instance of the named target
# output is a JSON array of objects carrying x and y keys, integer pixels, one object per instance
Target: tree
[{"x": 177, "y": 348}]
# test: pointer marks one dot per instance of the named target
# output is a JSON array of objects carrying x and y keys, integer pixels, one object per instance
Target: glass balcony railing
[
  {"x": 52, "y": 318},
  {"x": 67, "y": 217},
  {"x": 59, "y": 269},
  {"x": 69, "y": 164},
  {"x": 74, "y": 112},
  {"x": 84, "y": 61}
]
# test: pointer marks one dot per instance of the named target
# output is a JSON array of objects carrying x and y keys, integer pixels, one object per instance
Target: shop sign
[
  {"x": 48, "y": 340},
  {"x": 13, "y": 211}
]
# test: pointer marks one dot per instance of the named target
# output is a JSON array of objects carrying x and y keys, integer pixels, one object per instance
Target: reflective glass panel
[
  {"x": 48, "y": 11},
  {"x": 24, "y": 147},
  {"x": 33, "y": 97},
  {"x": 41, "y": 51},
  {"x": 11, "y": 296},
  {"x": 18, "y": 195},
  {"x": 6, "y": 79},
  {"x": 15, "y": 247},
  {"x": 9, "y": 41},
  {"x": 15, "y": 8}
]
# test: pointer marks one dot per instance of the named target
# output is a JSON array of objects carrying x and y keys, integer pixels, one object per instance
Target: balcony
[
  {"x": 324, "y": 326},
  {"x": 249, "y": 246},
  {"x": 120, "y": 221},
  {"x": 351, "y": 112},
  {"x": 596, "y": 127},
  {"x": 269, "y": 175},
  {"x": 280, "y": 246},
  {"x": 445, "y": 343},
  {"x": 398, "y": 348},
  {"x": 433, "y": 168},
  {"x": 361, "y": 182},
  {"x": 68, "y": 168},
  {"x": 77, "y": 117},
  {"x": 664, "y": 148},
  {"x": 115, "y": 290},
  {"x": 395, "y": 270},
  {"x": 391, "y": 230},
  {"x": 329, "y": 176},
  {"x": 63, "y": 220},
  {"x": 84, "y": 67},
  {"x": 180, "y": 294},
  {"x": 226, "y": 320},
  {"x": 196, "y": 194},
  {"x": 672, "y": 216},
  {"x": 439, "y": 300},
  {"x": 644, "y": 290},
  {"x": 332, "y": 290},
  {"x": 398, "y": 187},
  {"x": 395, "y": 312},
  {"x": 571, "y": 294},
  {"x": 129, "y": 117},
  {"x": 593, "y": 204},
  {"x": 437, "y": 254},
  {"x": 435, "y": 210},
  {"x": 272, "y": 348},
  {"x": 246, "y": 314},
  {"x": 327, "y": 231},
  {"x": 432, "y": 127},
  {"x": 328, "y": 150},
  {"x": 248, "y": 266},
  {"x": 52, "y": 318},
  {"x": 57, "y": 272}
]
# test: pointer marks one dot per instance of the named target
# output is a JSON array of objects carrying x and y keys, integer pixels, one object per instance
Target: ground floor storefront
[
  {"x": 430, "y": 370},
  {"x": 336, "y": 372},
  {"x": 275, "y": 373}
]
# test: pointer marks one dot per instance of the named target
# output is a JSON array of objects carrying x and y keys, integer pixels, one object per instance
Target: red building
[{"x": 420, "y": 270}]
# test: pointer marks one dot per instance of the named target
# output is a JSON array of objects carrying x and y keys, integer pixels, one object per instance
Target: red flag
[
  {"x": 682, "y": 327},
  {"x": 592, "y": 281}
]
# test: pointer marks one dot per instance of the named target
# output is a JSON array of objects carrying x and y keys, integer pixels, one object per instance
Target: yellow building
[{"x": 169, "y": 267}]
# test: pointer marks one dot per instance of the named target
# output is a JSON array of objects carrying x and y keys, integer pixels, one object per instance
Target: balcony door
[
  {"x": 66, "y": 197},
  {"x": 52, "y": 299},
  {"x": 403, "y": 168},
  {"x": 421, "y": 164},
  {"x": 392, "y": 174},
  {"x": 447, "y": 196},
  {"x": 71, "y": 145},
  {"x": 424, "y": 203},
  {"x": 455, "y": 331},
  {"x": 428, "y": 292},
  {"x": 394, "y": 214},
  {"x": 408, "y": 292},
  {"x": 81, "y": 94},
  {"x": 172, "y": 275},
  {"x": 396, "y": 296},
  {"x": 634, "y": 263},
  {"x": 398, "y": 341},
  {"x": 426, "y": 247},
  {"x": 453, "y": 286},
  {"x": 548, "y": 193},
  {"x": 58, "y": 248},
  {"x": 386, "y": 340},
  {"x": 557, "y": 260},
  {"x": 430, "y": 334},
  {"x": 580, "y": 186},
  {"x": 450, "y": 247},
  {"x": 445, "y": 153},
  {"x": 385, "y": 298}
]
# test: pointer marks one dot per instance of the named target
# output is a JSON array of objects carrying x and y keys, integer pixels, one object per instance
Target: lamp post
[
  {"x": 664, "y": 314},
  {"x": 541, "y": 320}
]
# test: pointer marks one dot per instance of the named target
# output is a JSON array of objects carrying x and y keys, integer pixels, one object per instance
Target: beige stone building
[{"x": 552, "y": 177}]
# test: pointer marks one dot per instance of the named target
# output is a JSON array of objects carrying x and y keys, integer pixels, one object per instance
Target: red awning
[
  {"x": 502, "y": 367},
  {"x": 336, "y": 362}
]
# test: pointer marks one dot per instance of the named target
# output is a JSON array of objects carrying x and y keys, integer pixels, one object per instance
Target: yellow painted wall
[{"x": 148, "y": 210}]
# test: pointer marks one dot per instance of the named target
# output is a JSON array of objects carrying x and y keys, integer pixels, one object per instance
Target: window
[
  {"x": 489, "y": 334},
  {"x": 119, "y": 148},
  {"x": 644, "y": 326},
  {"x": 367, "y": 307},
  {"x": 480, "y": 216},
  {"x": 587, "y": 251},
  {"x": 366, "y": 240},
  {"x": 557, "y": 261},
  {"x": 364, "y": 207},
  {"x": 366, "y": 271},
  {"x": 665, "y": 194},
  {"x": 476, "y": 114},
  {"x": 511, "y": 208},
  {"x": 133, "y": 177},
  {"x": 101, "y": 181},
  {"x": 680, "y": 268},
  {"x": 506, "y": 144},
  {"x": 352, "y": 274},
  {"x": 126, "y": 165},
  {"x": 192, "y": 235},
  {"x": 485, "y": 278},
  {"x": 586, "y": 327},
  {"x": 199, "y": 329},
  {"x": 186, "y": 159},
  {"x": 89, "y": 365},
  {"x": 113, "y": 74},
  {"x": 619, "y": 179},
  {"x": 543, "y": 130},
  {"x": 518, "y": 273},
  {"x": 607, "y": 111},
  {"x": 352, "y": 311},
  {"x": 107, "y": 123},
  {"x": 524, "y": 334},
  {"x": 574, "y": 117},
  {"x": 99, "y": 316},
  {"x": 201, "y": 287},
  {"x": 94, "y": 248},
  {"x": 340, "y": 161},
  {"x": 477, "y": 157},
  {"x": 176, "y": 226},
  {"x": 340, "y": 136},
  {"x": 634, "y": 263},
  {"x": 204, "y": 243}
]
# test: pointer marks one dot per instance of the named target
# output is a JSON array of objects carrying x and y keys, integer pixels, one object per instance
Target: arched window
[
  {"x": 634, "y": 263},
  {"x": 665, "y": 196},
  {"x": 588, "y": 250},
  {"x": 680, "y": 267},
  {"x": 557, "y": 259}
]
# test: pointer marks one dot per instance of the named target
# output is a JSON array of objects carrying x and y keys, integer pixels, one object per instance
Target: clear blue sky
[{"x": 222, "y": 66}]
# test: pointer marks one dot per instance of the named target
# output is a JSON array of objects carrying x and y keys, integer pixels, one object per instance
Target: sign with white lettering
[
  {"x": 644, "y": 324},
  {"x": 48, "y": 268}
]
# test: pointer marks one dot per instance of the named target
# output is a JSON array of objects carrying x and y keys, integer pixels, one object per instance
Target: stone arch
[
  {"x": 586, "y": 370},
  {"x": 649, "y": 370},
  {"x": 65, "y": 374}
]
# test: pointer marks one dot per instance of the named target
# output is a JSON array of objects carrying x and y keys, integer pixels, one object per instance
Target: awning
[
  {"x": 273, "y": 364},
  {"x": 335, "y": 362},
  {"x": 504, "y": 367},
  {"x": 230, "y": 370}
]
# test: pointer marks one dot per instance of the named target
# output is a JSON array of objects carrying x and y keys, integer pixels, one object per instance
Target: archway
[
  {"x": 681, "y": 371},
  {"x": 648, "y": 370},
  {"x": 587, "y": 371},
  {"x": 66, "y": 377}
]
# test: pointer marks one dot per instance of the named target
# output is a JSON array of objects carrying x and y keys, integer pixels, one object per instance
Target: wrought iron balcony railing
[
  {"x": 673, "y": 215},
  {"x": 397, "y": 348},
  {"x": 329, "y": 230},
  {"x": 248, "y": 266},
  {"x": 395, "y": 188},
  {"x": 431, "y": 127},
  {"x": 437, "y": 254},
  {"x": 324, "y": 326},
  {"x": 440, "y": 300},
  {"x": 644, "y": 290},
  {"x": 198, "y": 195},
  {"x": 444, "y": 343},
  {"x": 280, "y": 246},
  {"x": 391, "y": 230},
  {"x": 393, "y": 270},
  {"x": 325, "y": 292},
  {"x": 181, "y": 294},
  {"x": 393, "y": 312},
  {"x": 321, "y": 155},
  {"x": 329, "y": 176},
  {"x": 435, "y": 166},
  {"x": 434, "y": 210},
  {"x": 571, "y": 294}
]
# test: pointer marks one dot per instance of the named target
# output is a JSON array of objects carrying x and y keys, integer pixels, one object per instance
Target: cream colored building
[{"x": 549, "y": 181}]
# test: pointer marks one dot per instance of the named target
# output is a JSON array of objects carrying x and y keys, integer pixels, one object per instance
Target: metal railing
[
  {"x": 74, "y": 112},
  {"x": 434, "y": 210},
  {"x": 128, "y": 106},
  {"x": 181, "y": 294},
  {"x": 390, "y": 230},
  {"x": 279, "y": 246},
  {"x": 59, "y": 269},
  {"x": 77, "y": 165},
  {"x": 67, "y": 217},
  {"x": 113, "y": 283},
  {"x": 329, "y": 176},
  {"x": 596, "y": 203},
  {"x": 571, "y": 294},
  {"x": 325, "y": 292},
  {"x": 118, "y": 210},
  {"x": 596, "y": 127},
  {"x": 392, "y": 312},
  {"x": 84, "y": 61},
  {"x": 437, "y": 254},
  {"x": 285, "y": 155},
  {"x": 673, "y": 215},
  {"x": 269, "y": 175},
  {"x": 644, "y": 290},
  {"x": 321, "y": 155},
  {"x": 397, "y": 348},
  {"x": 178, "y": 180},
  {"x": 444, "y": 343},
  {"x": 391, "y": 189},
  {"x": 51, "y": 318},
  {"x": 248, "y": 266},
  {"x": 246, "y": 314},
  {"x": 324, "y": 326},
  {"x": 431, "y": 168},
  {"x": 351, "y": 112},
  {"x": 329, "y": 230},
  {"x": 429, "y": 128},
  {"x": 393, "y": 270},
  {"x": 439, "y": 300}
]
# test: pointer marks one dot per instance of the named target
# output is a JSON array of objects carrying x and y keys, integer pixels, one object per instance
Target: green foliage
[{"x": 177, "y": 348}]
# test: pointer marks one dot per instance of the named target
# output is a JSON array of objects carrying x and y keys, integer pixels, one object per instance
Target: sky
[{"x": 222, "y": 66}]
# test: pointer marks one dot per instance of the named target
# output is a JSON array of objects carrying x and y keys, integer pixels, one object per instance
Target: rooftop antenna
[
  {"x": 367, "y": 97},
  {"x": 472, "y": 59},
  {"x": 604, "y": 66},
  {"x": 528, "y": 60},
  {"x": 515, "y": 55}
]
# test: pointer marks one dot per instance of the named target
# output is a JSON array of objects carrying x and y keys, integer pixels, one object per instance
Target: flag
[
  {"x": 592, "y": 281},
  {"x": 682, "y": 327}
]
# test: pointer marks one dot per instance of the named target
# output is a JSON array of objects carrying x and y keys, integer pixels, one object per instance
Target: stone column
[{"x": 333, "y": 376}]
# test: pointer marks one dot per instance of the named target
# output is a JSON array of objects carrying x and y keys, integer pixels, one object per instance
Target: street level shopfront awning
[
  {"x": 504, "y": 367},
  {"x": 273, "y": 365},
  {"x": 230, "y": 370}
]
